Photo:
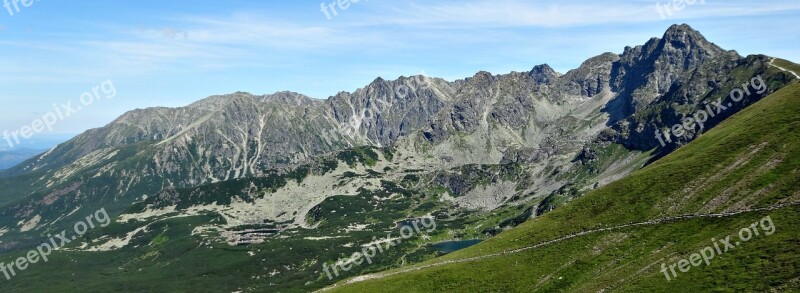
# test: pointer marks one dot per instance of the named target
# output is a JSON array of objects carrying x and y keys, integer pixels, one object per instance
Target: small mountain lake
[{"x": 451, "y": 246}]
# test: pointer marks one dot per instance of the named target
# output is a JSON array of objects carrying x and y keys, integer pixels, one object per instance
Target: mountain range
[{"x": 255, "y": 192}]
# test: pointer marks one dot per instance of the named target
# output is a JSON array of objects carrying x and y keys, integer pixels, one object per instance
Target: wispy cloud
[
  {"x": 242, "y": 30},
  {"x": 189, "y": 43},
  {"x": 185, "y": 43},
  {"x": 515, "y": 13},
  {"x": 219, "y": 42}
]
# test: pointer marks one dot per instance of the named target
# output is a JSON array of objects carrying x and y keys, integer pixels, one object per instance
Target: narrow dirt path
[
  {"x": 579, "y": 234},
  {"x": 771, "y": 62}
]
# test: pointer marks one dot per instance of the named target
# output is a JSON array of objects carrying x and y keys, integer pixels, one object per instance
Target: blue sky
[{"x": 172, "y": 53}]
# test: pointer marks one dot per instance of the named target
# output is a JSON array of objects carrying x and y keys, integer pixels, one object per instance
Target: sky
[{"x": 123, "y": 55}]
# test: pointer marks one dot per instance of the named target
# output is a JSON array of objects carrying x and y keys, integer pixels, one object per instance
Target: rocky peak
[
  {"x": 543, "y": 74},
  {"x": 600, "y": 60},
  {"x": 287, "y": 97},
  {"x": 682, "y": 35},
  {"x": 683, "y": 48},
  {"x": 662, "y": 62},
  {"x": 480, "y": 77},
  {"x": 591, "y": 77}
]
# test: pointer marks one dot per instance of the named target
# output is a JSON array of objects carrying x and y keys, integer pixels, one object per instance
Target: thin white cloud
[
  {"x": 219, "y": 42},
  {"x": 184, "y": 43},
  {"x": 248, "y": 30},
  {"x": 512, "y": 13},
  {"x": 190, "y": 43}
]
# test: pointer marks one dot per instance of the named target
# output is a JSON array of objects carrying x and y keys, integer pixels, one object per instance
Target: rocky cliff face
[
  {"x": 385, "y": 110},
  {"x": 668, "y": 79}
]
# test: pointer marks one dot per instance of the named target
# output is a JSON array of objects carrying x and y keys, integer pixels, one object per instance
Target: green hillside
[
  {"x": 789, "y": 65},
  {"x": 746, "y": 168}
]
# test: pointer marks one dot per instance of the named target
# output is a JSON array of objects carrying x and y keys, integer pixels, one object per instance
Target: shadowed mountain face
[{"x": 482, "y": 144}]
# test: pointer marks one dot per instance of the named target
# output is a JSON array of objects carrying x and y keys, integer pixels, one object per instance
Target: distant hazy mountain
[
  {"x": 11, "y": 158},
  {"x": 37, "y": 142}
]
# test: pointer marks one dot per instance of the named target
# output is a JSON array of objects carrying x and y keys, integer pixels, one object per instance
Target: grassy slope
[
  {"x": 788, "y": 65},
  {"x": 750, "y": 160}
]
